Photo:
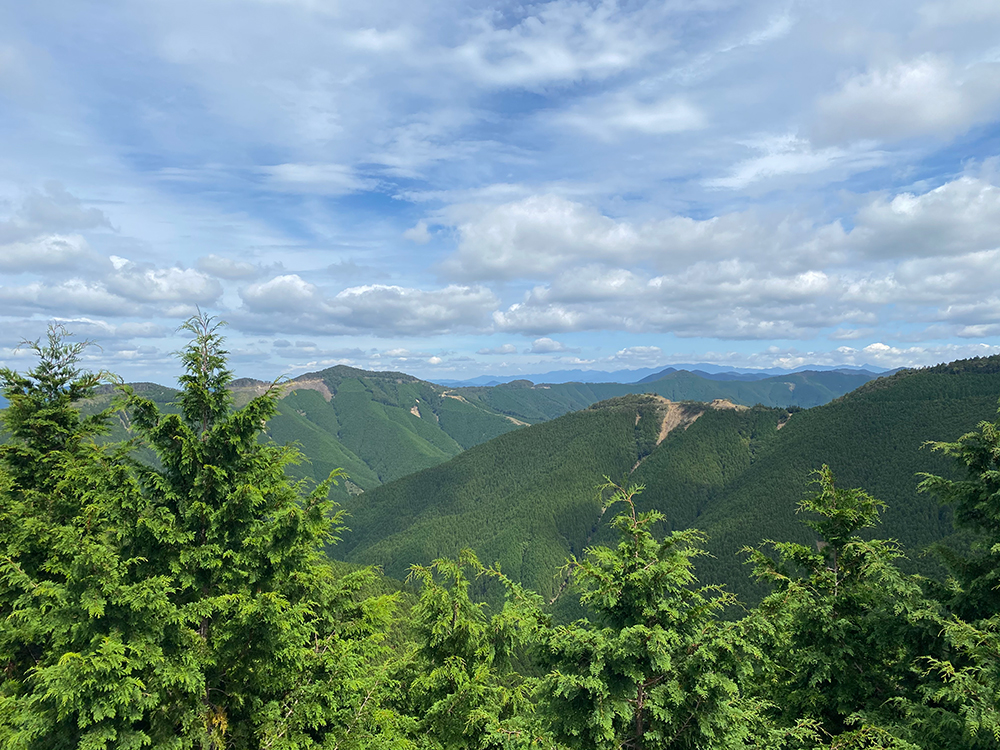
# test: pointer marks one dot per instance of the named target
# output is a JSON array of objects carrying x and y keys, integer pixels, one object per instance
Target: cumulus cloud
[
  {"x": 540, "y": 236},
  {"x": 378, "y": 308},
  {"x": 53, "y": 251},
  {"x": 545, "y": 345},
  {"x": 53, "y": 211},
  {"x": 502, "y": 349},
  {"x": 43, "y": 233},
  {"x": 289, "y": 293},
  {"x": 418, "y": 233},
  {"x": 739, "y": 275},
  {"x": 144, "y": 283},
  {"x": 393, "y": 308},
  {"x": 958, "y": 217},
  {"x": 928, "y": 95},
  {"x": 75, "y": 295}
]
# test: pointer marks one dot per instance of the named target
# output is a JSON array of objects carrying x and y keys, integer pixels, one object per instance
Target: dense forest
[
  {"x": 527, "y": 498},
  {"x": 381, "y": 426},
  {"x": 189, "y": 601}
]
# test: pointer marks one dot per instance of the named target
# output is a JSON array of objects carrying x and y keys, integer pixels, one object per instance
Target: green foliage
[
  {"x": 82, "y": 627},
  {"x": 843, "y": 626},
  {"x": 656, "y": 669},
  {"x": 976, "y": 498},
  {"x": 463, "y": 682},
  {"x": 963, "y": 692},
  {"x": 525, "y": 499},
  {"x": 185, "y": 605}
]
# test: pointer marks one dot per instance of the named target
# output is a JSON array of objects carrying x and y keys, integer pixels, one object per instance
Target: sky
[{"x": 456, "y": 188}]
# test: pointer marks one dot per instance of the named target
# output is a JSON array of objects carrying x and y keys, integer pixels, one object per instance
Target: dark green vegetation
[
  {"x": 535, "y": 403},
  {"x": 186, "y": 602},
  {"x": 524, "y": 499},
  {"x": 376, "y": 426},
  {"x": 380, "y": 426}
]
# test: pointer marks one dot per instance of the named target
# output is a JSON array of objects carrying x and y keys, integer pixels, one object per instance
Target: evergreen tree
[
  {"x": 187, "y": 605},
  {"x": 283, "y": 655},
  {"x": 963, "y": 693},
  {"x": 843, "y": 627},
  {"x": 657, "y": 669},
  {"x": 80, "y": 625},
  {"x": 464, "y": 683},
  {"x": 976, "y": 501}
]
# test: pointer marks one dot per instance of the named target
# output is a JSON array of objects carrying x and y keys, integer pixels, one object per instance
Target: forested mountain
[
  {"x": 537, "y": 402},
  {"x": 376, "y": 426},
  {"x": 526, "y": 499},
  {"x": 380, "y": 426}
]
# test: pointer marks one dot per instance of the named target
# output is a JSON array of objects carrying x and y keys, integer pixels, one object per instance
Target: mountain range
[
  {"x": 381, "y": 426},
  {"x": 527, "y": 498},
  {"x": 649, "y": 374}
]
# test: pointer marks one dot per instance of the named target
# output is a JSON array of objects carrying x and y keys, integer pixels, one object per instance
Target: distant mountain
[
  {"x": 377, "y": 426},
  {"x": 527, "y": 498},
  {"x": 556, "y": 376},
  {"x": 380, "y": 426},
  {"x": 531, "y": 402},
  {"x": 649, "y": 374},
  {"x": 749, "y": 375}
]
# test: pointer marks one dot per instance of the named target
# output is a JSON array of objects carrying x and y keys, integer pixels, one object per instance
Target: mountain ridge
[{"x": 527, "y": 498}]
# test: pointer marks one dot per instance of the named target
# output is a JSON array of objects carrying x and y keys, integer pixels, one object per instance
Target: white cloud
[
  {"x": 546, "y": 345},
  {"x": 418, "y": 233},
  {"x": 564, "y": 41},
  {"x": 391, "y": 308},
  {"x": 928, "y": 95},
  {"x": 145, "y": 284},
  {"x": 321, "y": 179},
  {"x": 958, "y": 217},
  {"x": 75, "y": 295},
  {"x": 502, "y": 349},
  {"x": 624, "y": 115},
  {"x": 51, "y": 252},
  {"x": 52, "y": 216},
  {"x": 288, "y": 293},
  {"x": 790, "y": 155},
  {"x": 536, "y": 235},
  {"x": 378, "y": 308}
]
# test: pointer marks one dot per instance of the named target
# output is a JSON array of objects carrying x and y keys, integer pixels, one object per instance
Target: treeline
[{"x": 188, "y": 604}]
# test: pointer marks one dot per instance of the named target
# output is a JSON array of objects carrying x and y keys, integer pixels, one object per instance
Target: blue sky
[{"x": 456, "y": 188}]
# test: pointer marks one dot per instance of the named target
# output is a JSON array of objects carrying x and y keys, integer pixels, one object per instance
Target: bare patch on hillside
[
  {"x": 724, "y": 403},
  {"x": 676, "y": 415},
  {"x": 309, "y": 385},
  {"x": 415, "y": 411}
]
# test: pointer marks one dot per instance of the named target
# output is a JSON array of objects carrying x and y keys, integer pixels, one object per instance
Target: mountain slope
[
  {"x": 534, "y": 403},
  {"x": 377, "y": 426},
  {"x": 528, "y": 500}
]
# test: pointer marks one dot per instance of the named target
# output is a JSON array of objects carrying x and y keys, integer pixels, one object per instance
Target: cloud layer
[{"x": 454, "y": 187}]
